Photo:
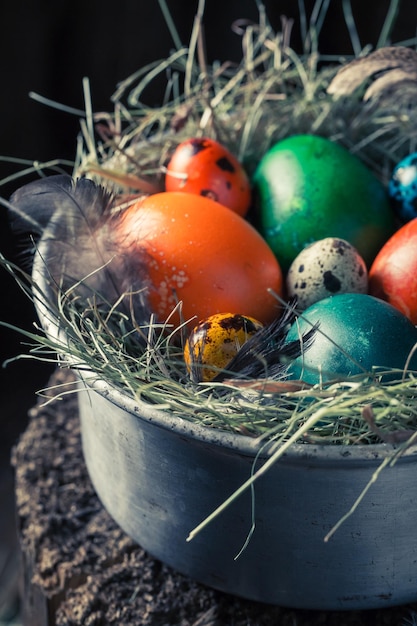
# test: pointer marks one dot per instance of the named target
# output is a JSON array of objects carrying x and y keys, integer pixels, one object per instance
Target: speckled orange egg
[
  {"x": 205, "y": 167},
  {"x": 215, "y": 341},
  {"x": 198, "y": 252}
]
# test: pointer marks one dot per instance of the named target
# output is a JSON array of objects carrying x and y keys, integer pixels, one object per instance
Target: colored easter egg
[
  {"x": 402, "y": 188},
  {"x": 393, "y": 274},
  {"x": 355, "y": 333},
  {"x": 307, "y": 188},
  {"x": 214, "y": 342}
]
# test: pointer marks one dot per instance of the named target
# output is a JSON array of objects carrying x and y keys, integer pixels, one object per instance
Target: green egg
[
  {"x": 355, "y": 333},
  {"x": 307, "y": 188}
]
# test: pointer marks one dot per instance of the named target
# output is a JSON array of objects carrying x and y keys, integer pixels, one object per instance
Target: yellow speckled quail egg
[
  {"x": 324, "y": 268},
  {"x": 215, "y": 341}
]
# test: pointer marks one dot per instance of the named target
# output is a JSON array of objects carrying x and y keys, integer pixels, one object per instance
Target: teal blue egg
[{"x": 355, "y": 333}]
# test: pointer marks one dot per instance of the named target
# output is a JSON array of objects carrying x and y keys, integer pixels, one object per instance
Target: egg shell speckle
[{"x": 326, "y": 267}]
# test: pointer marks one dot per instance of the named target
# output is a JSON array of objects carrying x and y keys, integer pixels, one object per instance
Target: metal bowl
[{"x": 159, "y": 476}]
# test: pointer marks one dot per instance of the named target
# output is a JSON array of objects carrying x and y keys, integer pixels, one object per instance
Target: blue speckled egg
[{"x": 402, "y": 188}]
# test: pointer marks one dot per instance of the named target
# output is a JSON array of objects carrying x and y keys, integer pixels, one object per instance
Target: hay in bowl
[{"x": 219, "y": 443}]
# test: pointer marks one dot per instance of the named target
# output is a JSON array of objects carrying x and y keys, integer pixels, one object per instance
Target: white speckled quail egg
[{"x": 324, "y": 268}]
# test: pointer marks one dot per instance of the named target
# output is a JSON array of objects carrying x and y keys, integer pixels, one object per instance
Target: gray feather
[
  {"x": 32, "y": 206},
  {"x": 77, "y": 223}
]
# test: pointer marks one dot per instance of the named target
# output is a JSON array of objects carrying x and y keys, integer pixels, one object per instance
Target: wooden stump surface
[{"x": 80, "y": 569}]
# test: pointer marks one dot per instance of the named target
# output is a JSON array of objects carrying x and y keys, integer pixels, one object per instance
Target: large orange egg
[
  {"x": 393, "y": 274},
  {"x": 200, "y": 253}
]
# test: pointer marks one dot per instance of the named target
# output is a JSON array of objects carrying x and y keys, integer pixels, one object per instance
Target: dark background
[{"x": 48, "y": 47}]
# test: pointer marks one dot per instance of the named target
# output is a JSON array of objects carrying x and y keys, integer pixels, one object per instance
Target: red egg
[
  {"x": 205, "y": 167},
  {"x": 393, "y": 274}
]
